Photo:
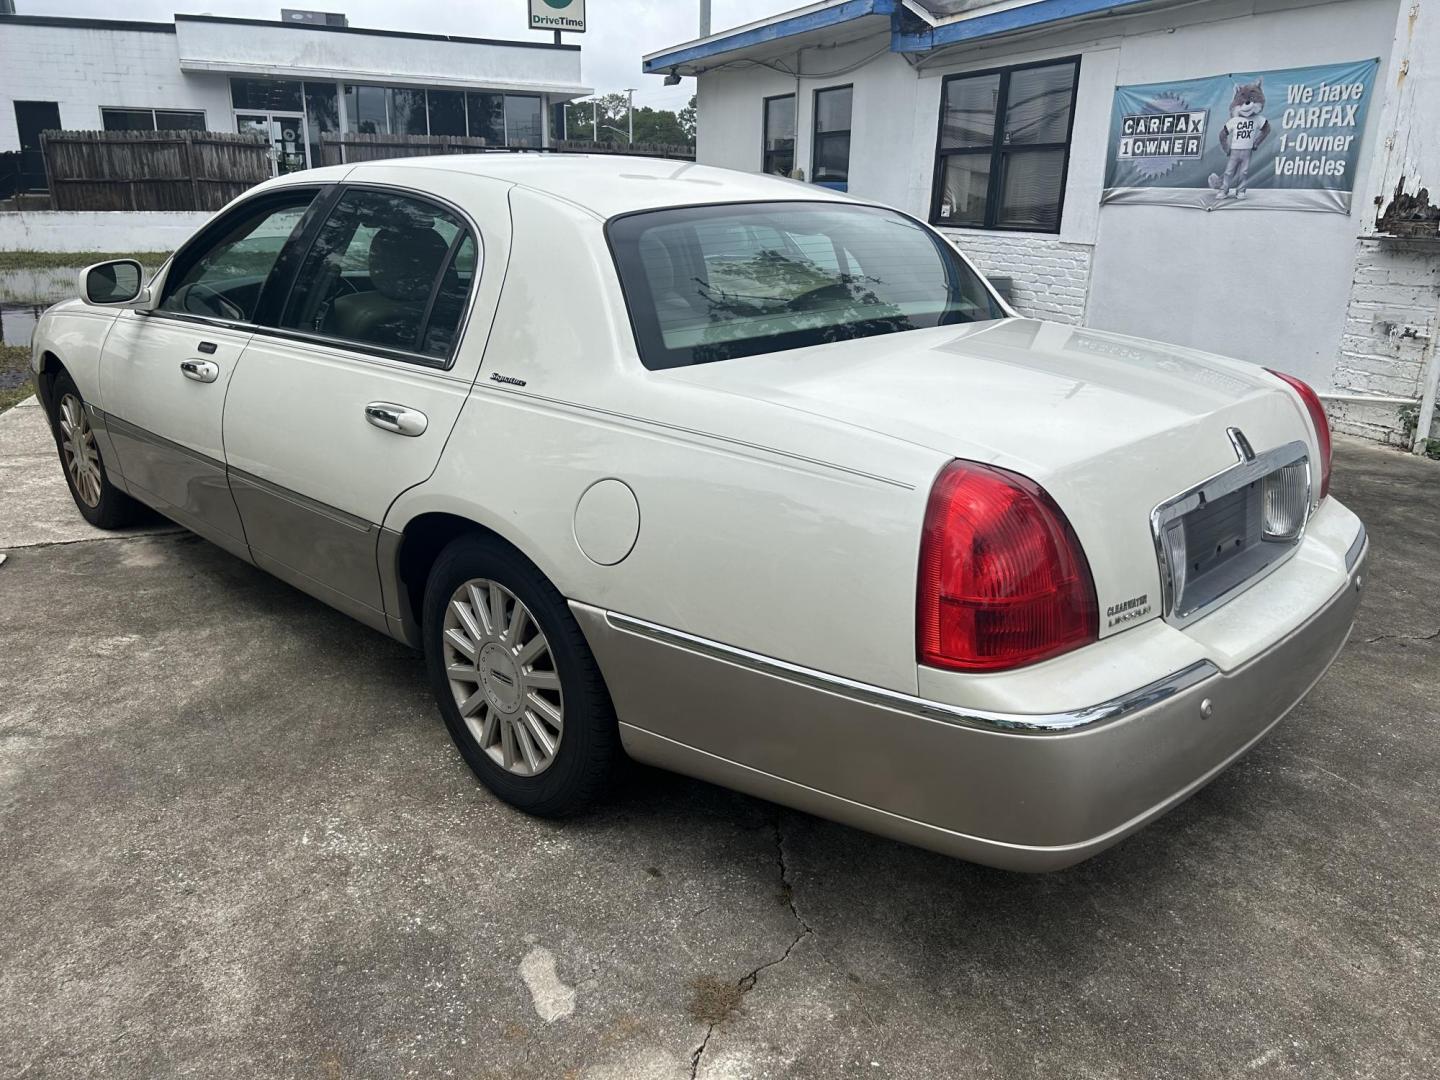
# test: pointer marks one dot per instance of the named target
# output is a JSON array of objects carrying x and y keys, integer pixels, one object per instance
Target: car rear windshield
[{"x": 717, "y": 282}]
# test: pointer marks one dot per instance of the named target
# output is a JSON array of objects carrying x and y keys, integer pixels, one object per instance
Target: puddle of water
[
  {"x": 25, "y": 294},
  {"x": 42, "y": 285},
  {"x": 17, "y": 322}
]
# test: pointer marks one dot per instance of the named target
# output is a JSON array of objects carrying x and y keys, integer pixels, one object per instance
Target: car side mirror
[{"x": 118, "y": 283}]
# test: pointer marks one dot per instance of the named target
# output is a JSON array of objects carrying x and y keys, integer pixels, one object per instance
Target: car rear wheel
[
  {"x": 517, "y": 685},
  {"x": 100, "y": 502}
]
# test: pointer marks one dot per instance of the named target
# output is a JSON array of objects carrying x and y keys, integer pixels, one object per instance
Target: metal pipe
[
  {"x": 1429, "y": 383},
  {"x": 1367, "y": 399},
  {"x": 704, "y": 18},
  {"x": 630, "y": 112}
]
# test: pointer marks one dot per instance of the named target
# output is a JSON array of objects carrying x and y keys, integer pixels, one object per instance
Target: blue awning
[{"x": 914, "y": 28}]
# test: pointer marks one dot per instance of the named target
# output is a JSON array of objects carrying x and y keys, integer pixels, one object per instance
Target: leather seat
[
  {"x": 403, "y": 266},
  {"x": 664, "y": 282}
]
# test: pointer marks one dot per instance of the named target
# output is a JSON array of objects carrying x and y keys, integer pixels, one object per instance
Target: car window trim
[
  {"x": 273, "y": 298},
  {"x": 284, "y": 333},
  {"x": 444, "y": 363},
  {"x": 424, "y": 330}
]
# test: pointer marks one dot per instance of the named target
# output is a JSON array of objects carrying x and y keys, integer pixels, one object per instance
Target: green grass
[
  {"x": 14, "y": 359},
  {"x": 45, "y": 260}
]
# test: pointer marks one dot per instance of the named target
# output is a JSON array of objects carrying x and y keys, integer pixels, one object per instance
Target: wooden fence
[
  {"x": 152, "y": 170},
  {"x": 662, "y": 150},
  {"x": 351, "y": 147}
]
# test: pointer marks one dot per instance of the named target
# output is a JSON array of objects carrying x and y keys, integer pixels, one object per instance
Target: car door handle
[
  {"x": 200, "y": 370},
  {"x": 396, "y": 418}
]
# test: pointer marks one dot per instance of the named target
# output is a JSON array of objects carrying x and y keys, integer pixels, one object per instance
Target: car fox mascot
[{"x": 1242, "y": 135}]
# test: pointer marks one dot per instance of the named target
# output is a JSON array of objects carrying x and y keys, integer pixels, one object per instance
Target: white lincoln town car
[{"x": 732, "y": 475}]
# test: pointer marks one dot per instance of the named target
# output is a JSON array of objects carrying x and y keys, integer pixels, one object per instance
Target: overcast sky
[{"x": 620, "y": 31}]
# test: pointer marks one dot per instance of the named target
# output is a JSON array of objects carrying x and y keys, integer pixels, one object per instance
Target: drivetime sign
[{"x": 566, "y": 15}]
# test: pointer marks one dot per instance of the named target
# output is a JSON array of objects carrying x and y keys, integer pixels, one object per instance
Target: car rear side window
[
  {"x": 717, "y": 282},
  {"x": 386, "y": 271}
]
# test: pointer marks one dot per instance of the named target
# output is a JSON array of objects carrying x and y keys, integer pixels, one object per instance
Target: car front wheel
[
  {"x": 100, "y": 502},
  {"x": 517, "y": 685}
]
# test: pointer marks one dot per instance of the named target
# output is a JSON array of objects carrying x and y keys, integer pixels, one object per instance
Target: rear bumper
[{"x": 1018, "y": 792}]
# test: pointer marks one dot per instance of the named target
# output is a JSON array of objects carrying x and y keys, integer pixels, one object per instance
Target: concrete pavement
[{"x": 235, "y": 841}]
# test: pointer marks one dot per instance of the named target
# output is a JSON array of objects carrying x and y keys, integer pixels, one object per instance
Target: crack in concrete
[
  {"x": 40, "y": 544},
  {"x": 1402, "y": 637},
  {"x": 748, "y": 980}
]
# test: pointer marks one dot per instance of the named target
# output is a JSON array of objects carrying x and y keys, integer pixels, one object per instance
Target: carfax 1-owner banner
[{"x": 1261, "y": 140}]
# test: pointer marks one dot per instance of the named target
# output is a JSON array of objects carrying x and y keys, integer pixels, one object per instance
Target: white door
[
  {"x": 348, "y": 399},
  {"x": 164, "y": 373}
]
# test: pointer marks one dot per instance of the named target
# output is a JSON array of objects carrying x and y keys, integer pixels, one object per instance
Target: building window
[
  {"x": 499, "y": 119},
  {"x": 152, "y": 120},
  {"x": 447, "y": 112},
  {"x": 322, "y": 116},
  {"x": 367, "y": 109},
  {"x": 487, "y": 117},
  {"x": 831, "y": 156},
  {"x": 407, "y": 112},
  {"x": 522, "y": 120},
  {"x": 779, "y": 142},
  {"x": 1004, "y": 147},
  {"x": 266, "y": 95}
]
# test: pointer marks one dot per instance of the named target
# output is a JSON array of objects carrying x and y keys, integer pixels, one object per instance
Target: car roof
[{"x": 604, "y": 184}]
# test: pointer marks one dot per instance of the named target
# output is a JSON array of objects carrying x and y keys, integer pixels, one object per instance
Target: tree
[
  {"x": 658, "y": 126},
  {"x": 651, "y": 125},
  {"x": 688, "y": 120},
  {"x": 579, "y": 119}
]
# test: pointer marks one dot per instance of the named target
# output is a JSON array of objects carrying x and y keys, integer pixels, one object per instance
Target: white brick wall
[
  {"x": 84, "y": 70},
  {"x": 1393, "y": 298},
  {"x": 1051, "y": 279}
]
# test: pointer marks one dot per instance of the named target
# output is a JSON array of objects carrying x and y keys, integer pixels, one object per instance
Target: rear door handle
[
  {"x": 396, "y": 418},
  {"x": 200, "y": 370}
]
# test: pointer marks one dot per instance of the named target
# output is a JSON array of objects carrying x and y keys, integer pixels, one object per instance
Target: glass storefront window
[
  {"x": 499, "y": 119},
  {"x": 322, "y": 113},
  {"x": 366, "y": 109},
  {"x": 487, "y": 117},
  {"x": 407, "y": 112},
  {"x": 447, "y": 112},
  {"x": 266, "y": 95},
  {"x": 522, "y": 120}
]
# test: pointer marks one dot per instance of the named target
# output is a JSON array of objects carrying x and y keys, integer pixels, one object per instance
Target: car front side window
[
  {"x": 386, "y": 271},
  {"x": 223, "y": 275}
]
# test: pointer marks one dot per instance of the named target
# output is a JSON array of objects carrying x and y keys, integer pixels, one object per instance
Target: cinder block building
[{"x": 292, "y": 81}]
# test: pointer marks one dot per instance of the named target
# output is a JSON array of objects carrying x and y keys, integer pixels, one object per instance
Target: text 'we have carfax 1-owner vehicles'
[{"x": 739, "y": 477}]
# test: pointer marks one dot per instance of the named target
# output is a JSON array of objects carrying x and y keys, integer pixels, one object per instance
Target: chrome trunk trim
[
  {"x": 1007, "y": 723},
  {"x": 1223, "y": 483}
]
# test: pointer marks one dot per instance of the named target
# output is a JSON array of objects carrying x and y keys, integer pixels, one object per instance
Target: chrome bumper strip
[
  {"x": 1356, "y": 548},
  {"x": 1006, "y": 723}
]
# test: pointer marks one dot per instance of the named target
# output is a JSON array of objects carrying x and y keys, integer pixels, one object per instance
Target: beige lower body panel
[
  {"x": 187, "y": 487},
  {"x": 1031, "y": 802}
]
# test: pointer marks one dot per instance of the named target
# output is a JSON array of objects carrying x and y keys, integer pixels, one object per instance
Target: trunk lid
[{"x": 1111, "y": 426}]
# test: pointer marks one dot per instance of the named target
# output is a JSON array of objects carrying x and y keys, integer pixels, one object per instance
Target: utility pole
[
  {"x": 595, "y": 117},
  {"x": 704, "y": 18},
  {"x": 630, "y": 112}
]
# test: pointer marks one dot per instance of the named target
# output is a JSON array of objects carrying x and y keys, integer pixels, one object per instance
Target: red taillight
[
  {"x": 1316, "y": 409},
  {"x": 1003, "y": 581}
]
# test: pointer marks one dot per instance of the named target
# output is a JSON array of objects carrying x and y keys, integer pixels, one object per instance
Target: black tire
[
  {"x": 588, "y": 750},
  {"x": 112, "y": 509}
]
